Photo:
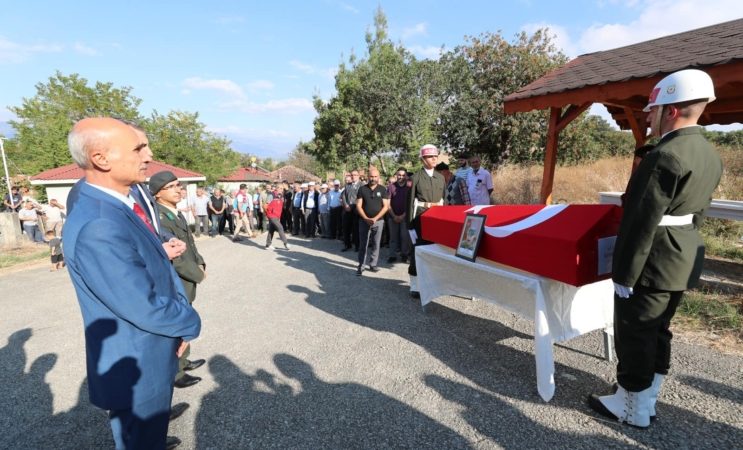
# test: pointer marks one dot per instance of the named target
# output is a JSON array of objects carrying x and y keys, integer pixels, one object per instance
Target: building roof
[
  {"x": 248, "y": 174},
  {"x": 623, "y": 77},
  {"x": 71, "y": 172},
  {"x": 293, "y": 174}
]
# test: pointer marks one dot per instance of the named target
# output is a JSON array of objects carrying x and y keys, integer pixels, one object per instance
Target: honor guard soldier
[
  {"x": 659, "y": 252},
  {"x": 426, "y": 191}
]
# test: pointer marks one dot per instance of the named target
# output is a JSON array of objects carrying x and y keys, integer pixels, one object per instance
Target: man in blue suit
[{"x": 136, "y": 314}]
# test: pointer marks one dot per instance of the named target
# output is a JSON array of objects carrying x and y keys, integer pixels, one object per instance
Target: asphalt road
[{"x": 301, "y": 353}]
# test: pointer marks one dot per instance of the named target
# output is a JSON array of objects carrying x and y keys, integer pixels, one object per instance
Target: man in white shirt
[
  {"x": 479, "y": 183},
  {"x": 200, "y": 211},
  {"x": 53, "y": 212}
]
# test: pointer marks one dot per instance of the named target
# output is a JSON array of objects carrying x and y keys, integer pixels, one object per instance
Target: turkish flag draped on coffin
[{"x": 569, "y": 243}]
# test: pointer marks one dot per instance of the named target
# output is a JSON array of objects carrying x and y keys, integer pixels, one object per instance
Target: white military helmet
[
  {"x": 682, "y": 86},
  {"x": 428, "y": 150}
]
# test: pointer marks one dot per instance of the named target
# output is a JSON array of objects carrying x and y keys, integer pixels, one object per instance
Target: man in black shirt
[
  {"x": 216, "y": 207},
  {"x": 372, "y": 203},
  {"x": 350, "y": 215}
]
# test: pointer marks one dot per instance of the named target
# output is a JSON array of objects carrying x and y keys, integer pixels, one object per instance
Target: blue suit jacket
[{"x": 133, "y": 304}]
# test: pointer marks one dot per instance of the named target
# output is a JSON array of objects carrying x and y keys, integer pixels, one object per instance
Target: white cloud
[
  {"x": 83, "y": 49},
  {"x": 226, "y": 86},
  {"x": 658, "y": 18},
  {"x": 299, "y": 65},
  {"x": 260, "y": 85},
  {"x": 282, "y": 106},
  {"x": 415, "y": 30},
  {"x": 427, "y": 52},
  {"x": 15, "y": 53},
  {"x": 264, "y": 143},
  {"x": 348, "y": 7},
  {"x": 312, "y": 70}
]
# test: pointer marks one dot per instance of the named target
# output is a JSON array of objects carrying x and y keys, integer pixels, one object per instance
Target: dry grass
[{"x": 581, "y": 184}]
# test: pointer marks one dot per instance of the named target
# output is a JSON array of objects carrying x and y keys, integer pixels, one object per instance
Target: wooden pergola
[{"x": 621, "y": 80}]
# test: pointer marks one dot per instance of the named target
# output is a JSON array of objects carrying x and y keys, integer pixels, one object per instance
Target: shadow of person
[
  {"x": 13, "y": 356},
  {"x": 490, "y": 416},
  {"x": 261, "y": 411}
]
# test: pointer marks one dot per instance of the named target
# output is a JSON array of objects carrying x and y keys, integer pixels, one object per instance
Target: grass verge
[{"x": 22, "y": 255}]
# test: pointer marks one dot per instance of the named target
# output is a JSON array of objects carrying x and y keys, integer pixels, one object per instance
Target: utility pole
[{"x": 7, "y": 175}]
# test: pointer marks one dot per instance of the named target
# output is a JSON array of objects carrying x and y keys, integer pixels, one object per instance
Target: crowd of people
[{"x": 139, "y": 239}]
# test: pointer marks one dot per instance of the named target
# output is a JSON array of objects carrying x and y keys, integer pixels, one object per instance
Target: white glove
[{"x": 622, "y": 291}]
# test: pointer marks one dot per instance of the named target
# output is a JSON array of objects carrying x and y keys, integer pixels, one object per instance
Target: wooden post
[
  {"x": 550, "y": 157},
  {"x": 637, "y": 131}
]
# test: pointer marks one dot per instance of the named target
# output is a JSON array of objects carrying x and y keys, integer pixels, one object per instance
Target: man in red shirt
[{"x": 273, "y": 213}]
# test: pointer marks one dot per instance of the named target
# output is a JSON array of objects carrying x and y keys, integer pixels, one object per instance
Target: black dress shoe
[
  {"x": 359, "y": 271},
  {"x": 186, "y": 380},
  {"x": 415, "y": 294},
  {"x": 177, "y": 410},
  {"x": 172, "y": 442},
  {"x": 193, "y": 365},
  {"x": 391, "y": 259},
  {"x": 345, "y": 249},
  {"x": 374, "y": 269}
]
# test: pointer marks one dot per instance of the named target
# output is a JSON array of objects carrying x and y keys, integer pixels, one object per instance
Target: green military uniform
[
  {"x": 677, "y": 178},
  {"x": 424, "y": 189},
  {"x": 189, "y": 266}
]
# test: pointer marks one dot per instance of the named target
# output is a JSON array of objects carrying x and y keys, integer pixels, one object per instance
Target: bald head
[
  {"x": 112, "y": 153},
  {"x": 373, "y": 177}
]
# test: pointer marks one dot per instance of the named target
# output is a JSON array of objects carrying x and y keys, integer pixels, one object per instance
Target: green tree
[
  {"x": 302, "y": 157},
  {"x": 382, "y": 107},
  {"x": 180, "y": 139},
  {"x": 476, "y": 78},
  {"x": 45, "y": 119}
]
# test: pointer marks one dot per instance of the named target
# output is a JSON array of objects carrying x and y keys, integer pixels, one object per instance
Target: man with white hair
[
  {"x": 336, "y": 210},
  {"x": 659, "y": 253},
  {"x": 426, "y": 191},
  {"x": 136, "y": 314}
]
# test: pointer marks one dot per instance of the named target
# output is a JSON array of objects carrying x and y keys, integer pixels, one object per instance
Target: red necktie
[{"x": 140, "y": 213}]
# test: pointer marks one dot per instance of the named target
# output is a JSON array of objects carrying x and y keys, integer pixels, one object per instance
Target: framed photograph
[{"x": 469, "y": 240}]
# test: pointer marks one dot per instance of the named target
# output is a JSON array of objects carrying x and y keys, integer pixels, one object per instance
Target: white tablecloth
[{"x": 560, "y": 311}]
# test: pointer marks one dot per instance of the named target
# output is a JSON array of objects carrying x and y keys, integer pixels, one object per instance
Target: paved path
[{"x": 303, "y": 354}]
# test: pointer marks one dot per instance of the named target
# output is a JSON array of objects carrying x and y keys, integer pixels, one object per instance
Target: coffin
[{"x": 569, "y": 243}]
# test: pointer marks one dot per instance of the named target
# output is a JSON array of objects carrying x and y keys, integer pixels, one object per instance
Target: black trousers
[
  {"x": 416, "y": 225},
  {"x": 351, "y": 228},
  {"x": 274, "y": 225},
  {"x": 258, "y": 213},
  {"x": 297, "y": 221},
  {"x": 286, "y": 219},
  {"x": 642, "y": 337},
  {"x": 336, "y": 229}
]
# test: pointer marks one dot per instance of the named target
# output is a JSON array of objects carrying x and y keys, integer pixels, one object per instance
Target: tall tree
[
  {"x": 45, "y": 119},
  {"x": 381, "y": 107},
  {"x": 476, "y": 79},
  {"x": 180, "y": 139}
]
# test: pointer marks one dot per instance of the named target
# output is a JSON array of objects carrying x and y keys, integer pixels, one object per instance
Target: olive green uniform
[
  {"x": 189, "y": 266},
  {"x": 425, "y": 189},
  {"x": 676, "y": 178}
]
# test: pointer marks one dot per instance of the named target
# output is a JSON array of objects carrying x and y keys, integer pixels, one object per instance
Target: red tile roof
[
  {"x": 73, "y": 172},
  {"x": 708, "y": 46},
  {"x": 248, "y": 174}
]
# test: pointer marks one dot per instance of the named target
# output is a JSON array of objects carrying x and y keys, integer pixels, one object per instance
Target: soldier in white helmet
[
  {"x": 659, "y": 252},
  {"x": 426, "y": 191}
]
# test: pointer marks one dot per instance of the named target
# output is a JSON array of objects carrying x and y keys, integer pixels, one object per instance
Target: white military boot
[
  {"x": 624, "y": 406},
  {"x": 655, "y": 390}
]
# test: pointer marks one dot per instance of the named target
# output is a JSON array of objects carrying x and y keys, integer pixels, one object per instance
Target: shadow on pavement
[{"x": 259, "y": 411}]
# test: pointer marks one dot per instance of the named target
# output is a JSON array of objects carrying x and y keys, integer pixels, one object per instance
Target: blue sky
[{"x": 250, "y": 68}]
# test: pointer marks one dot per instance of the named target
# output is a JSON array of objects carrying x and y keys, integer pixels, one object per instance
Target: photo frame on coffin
[{"x": 471, "y": 236}]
